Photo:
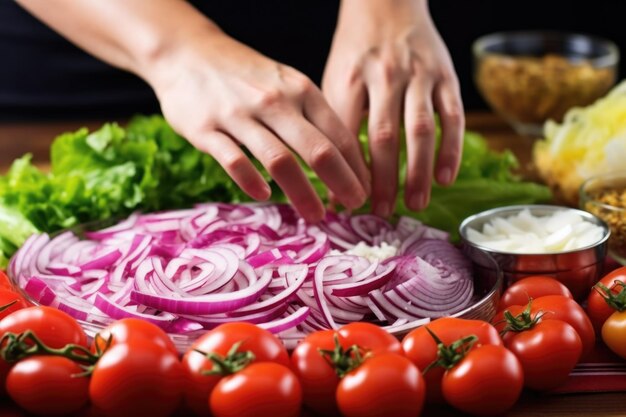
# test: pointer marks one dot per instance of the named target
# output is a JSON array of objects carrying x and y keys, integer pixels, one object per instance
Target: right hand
[{"x": 220, "y": 94}]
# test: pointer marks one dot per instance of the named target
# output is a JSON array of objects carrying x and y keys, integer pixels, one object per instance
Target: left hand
[{"x": 388, "y": 58}]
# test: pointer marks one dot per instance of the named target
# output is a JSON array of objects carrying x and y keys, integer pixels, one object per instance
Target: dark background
[{"x": 42, "y": 76}]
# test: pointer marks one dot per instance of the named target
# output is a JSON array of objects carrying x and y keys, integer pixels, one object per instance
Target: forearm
[{"x": 130, "y": 34}]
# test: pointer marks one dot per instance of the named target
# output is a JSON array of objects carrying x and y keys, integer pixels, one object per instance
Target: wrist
[
  {"x": 381, "y": 12},
  {"x": 166, "y": 47}
]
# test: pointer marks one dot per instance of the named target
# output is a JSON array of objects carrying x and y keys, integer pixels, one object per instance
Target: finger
[
  {"x": 322, "y": 156},
  {"x": 320, "y": 114},
  {"x": 447, "y": 100},
  {"x": 348, "y": 103},
  {"x": 281, "y": 165},
  {"x": 420, "y": 135},
  {"x": 385, "y": 103},
  {"x": 230, "y": 156}
]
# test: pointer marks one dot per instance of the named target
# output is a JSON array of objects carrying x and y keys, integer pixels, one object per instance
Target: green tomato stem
[
  {"x": 343, "y": 360},
  {"x": 616, "y": 301},
  {"x": 15, "y": 347},
  {"x": 449, "y": 356},
  {"x": 522, "y": 322},
  {"x": 233, "y": 362}
]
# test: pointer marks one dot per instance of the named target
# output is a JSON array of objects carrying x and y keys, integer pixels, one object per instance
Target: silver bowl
[{"x": 578, "y": 269}]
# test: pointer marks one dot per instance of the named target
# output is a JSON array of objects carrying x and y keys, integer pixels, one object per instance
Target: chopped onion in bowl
[
  {"x": 194, "y": 269},
  {"x": 561, "y": 231}
]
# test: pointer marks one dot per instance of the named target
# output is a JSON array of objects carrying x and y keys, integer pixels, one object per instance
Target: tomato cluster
[
  {"x": 606, "y": 307},
  {"x": 49, "y": 367}
]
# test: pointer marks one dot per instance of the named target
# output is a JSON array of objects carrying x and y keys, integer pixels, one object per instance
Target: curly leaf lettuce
[{"x": 107, "y": 173}]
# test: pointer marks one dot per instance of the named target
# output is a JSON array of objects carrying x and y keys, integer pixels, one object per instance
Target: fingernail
[
  {"x": 445, "y": 176},
  {"x": 262, "y": 193},
  {"x": 358, "y": 200},
  {"x": 418, "y": 201},
  {"x": 382, "y": 209}
]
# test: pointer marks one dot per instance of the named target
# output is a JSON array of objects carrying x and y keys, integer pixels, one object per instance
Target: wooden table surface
[{"x": 19, "y": 138}]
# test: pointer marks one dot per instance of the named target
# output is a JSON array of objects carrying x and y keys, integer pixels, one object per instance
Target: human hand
[
  {"x": 220, "y": 94},
  {"x": 388, "y": 58}
]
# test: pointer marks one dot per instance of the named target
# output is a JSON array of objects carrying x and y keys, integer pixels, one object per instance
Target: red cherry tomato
[
  {"x": 532, "y": 287},
  {"x": 557, "y": 307},
  {"x": 5, "y": 281},
  {"x": 137, "y": 379},
  {"x": 487, "y": 382},
  {"x": 420, "y": 347},
  {"x": 597, "y": 308},
  {"x": 5, "y": 367},
  {"x": 130, "y": 329},
  {"x": 53, "y": 327},
  {"x": 548, "y": 352},
  {"x": 384, "y": 385},
  {"x": 10, "y": 301},
  {"x": 370, "y": 337},
  {"x": 260, "y": 389},
  {"x": 319, "y": 380},
  {"x": 48, "y": 385},
  {"x": 263, "y": 344}
]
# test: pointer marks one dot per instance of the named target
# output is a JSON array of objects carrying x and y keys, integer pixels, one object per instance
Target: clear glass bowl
[
  {"x": 605, "y": 196},
  {"x": 532, "y": 76}
]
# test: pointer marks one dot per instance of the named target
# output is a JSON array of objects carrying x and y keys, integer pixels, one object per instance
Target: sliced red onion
[
  {"x": 123, "y": 226},
  {"x": 102, "y": 261},
  {"x": 118, "y": 312},
  {"x": 288, "y": 322},
  {"x": 365, "y": 286},
  {"x": 295, "y": 283},
  {"x": 211, "y": 303},
  {"x": 260, "y": 263}
]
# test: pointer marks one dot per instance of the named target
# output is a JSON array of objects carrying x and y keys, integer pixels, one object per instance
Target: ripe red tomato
[
  {"x": 5, "y": 282},
  {"x": 597, "y": 307},
  {"x": 5, "y": 367},
  {"x": 260, "y": 389},
  {"x": 131, "y": 329},
  {"x": 487, "y": 382},
  {"x": 53, "y": 327},
  {"x": 319, "y": 380},
  {"x": 137, "y": 379},
  {"x": 532, "y": 287},
  {"x": 384, "y": 385},
  {"x": 6, "y": 298},
  {"x": 48, "y": 385},
  {"x": 420, "y": 347},
  {"x": 548, "y": 352},
  {"x": 370, "y": 337},
  {"x": 557, "y": 307},
  {"x": 263, "y": 344}
]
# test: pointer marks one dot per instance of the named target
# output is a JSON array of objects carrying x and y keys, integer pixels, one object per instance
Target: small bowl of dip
[{"x": 567, "y": 244}]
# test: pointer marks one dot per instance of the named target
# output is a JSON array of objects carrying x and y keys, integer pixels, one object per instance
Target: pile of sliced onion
[{"x": 195, "y": 269}]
